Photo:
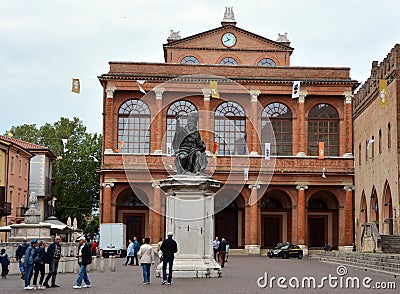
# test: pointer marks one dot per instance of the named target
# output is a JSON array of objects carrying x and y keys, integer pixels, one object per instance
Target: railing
[{"x": 5, "y": 208}]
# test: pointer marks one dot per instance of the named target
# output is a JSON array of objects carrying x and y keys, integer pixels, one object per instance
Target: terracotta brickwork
[
  {"x": 281, "y": 203},
  {"x": 377, "y": 162}
]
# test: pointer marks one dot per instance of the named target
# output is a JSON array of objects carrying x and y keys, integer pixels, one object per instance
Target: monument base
[
  {"x": 190, "y": 217},
  {"x": 253, "y": 249},
  {"x": 20, "y": 232},
  {"x": 193, "y": 268}
]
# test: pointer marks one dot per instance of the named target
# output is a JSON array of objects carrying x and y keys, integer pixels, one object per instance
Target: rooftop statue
[{"x": 190, "y": 156}]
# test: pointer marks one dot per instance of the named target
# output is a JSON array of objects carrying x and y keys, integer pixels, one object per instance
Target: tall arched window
[
  {"x": 389, "y": 137},
  {"x": 266, "y": 62},
  {"x": 190, "y": 60},
  {"x": 181, "y": 108},
  {"x": 228, "y": 61},
  {"x": 380, "y": 142},
  {"x": 280, "y": 117},
  {"x": 230, "y": 129},
  {"x": 323, "y": 126},
  {"x": 134, "y": 127}
]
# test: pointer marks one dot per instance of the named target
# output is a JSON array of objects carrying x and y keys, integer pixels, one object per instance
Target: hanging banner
[
  {"x": 321, "y": 150},
  {"x": 65, "y": 141},
  {"x": 169, "y": 149},
  {"x": 267, "y": 151},
  {"x": 246, "y": 174},
  {"x": 76, "y": 86},
  {"x": 214, "y": 89},
  {"x": 296, "y": 89},
  {"x": 140, "y": 83},
  {"x": 383, "y": 98}
]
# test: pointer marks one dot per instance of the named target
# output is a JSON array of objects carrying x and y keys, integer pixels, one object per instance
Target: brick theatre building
[{"x": 306, "y": 200}]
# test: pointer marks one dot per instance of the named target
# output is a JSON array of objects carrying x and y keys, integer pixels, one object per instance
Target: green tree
[{"x": 76, "y": 186}]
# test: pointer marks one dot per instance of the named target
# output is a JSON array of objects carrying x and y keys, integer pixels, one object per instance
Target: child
[{"x": 5, "y": 262}]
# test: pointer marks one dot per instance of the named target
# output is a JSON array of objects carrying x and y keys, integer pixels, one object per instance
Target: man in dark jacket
[
  {"x": 168, "y": 249},
  {"x": 84, "y": 259},
  {"x": 222, "y": 251},
  {"x": 53, "y": 258},
  {"x": 19, "y": 253}
]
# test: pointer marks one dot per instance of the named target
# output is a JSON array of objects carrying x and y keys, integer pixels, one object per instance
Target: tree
[{"x": 76, "y": 186}]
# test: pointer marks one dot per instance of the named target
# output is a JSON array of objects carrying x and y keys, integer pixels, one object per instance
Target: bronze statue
[{"x": 190, "y": 156}]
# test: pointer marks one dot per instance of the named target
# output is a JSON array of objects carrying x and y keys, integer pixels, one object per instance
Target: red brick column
[
  {"x": 348, "y": 216},
  {"x": 254, "y": 215},
  {"x": 247, "y": 221},
  {"x": 107, "y": 195},
  {"x": 301, "y": 214},
  {"x": 205, "y": 131},
  {"x": 302, "y": 150},
  {"x": 108, "y": 127},
  {"x": 158, "y": 120},
  {"x": 255, "y": 132},
  {"x": 156, "y": 228},
  {"x": 348, "y": 123}
]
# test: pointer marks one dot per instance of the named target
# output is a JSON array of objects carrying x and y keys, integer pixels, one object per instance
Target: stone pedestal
[
  {"x": 189, "y": 216},
  {"x": 29, "y": 232}
]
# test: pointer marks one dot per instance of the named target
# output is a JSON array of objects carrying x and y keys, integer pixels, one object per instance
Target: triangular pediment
[{"x": 212, "y": 39}]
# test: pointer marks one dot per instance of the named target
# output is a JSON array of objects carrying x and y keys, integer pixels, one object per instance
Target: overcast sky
[{"x": 46, "y": 43}]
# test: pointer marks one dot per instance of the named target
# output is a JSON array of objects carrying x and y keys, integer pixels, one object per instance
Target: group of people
[
  {"x": 32, "y": 259},
  {"x": 221, "y": 251},
  {"x": 145, "y": 255}
]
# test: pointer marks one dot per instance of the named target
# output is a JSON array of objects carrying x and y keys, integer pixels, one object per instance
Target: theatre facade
[{"x": 296, "y": 194}]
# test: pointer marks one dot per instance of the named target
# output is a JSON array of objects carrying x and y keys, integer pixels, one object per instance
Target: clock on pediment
[{"x": 228, "y": 39}]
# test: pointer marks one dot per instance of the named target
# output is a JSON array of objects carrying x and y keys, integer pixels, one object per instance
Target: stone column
[
  {"x": 108, "y": 124},
  {"x": 348, "y": 124},
  {"x": 254, "y": 246},
  {"x": 301, "y": 214},
  {"x": 157, "y": 145},
  {"x": 255, "y": 131},
  {"x": 107, "y": 196},
  {"x": 205, "y": 121},
  {"x": 156, "y": 228},
  {"x": 301, "y": 123},
  {"x": 348, "y": 208}
]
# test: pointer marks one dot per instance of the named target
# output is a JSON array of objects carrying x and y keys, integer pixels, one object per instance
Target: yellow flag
[
  {"x": 214, "y": 89},
  {"x": 321, "y": 150},
  {"x": 76, "y": 86},
  {"x": 383, "y": 96}
]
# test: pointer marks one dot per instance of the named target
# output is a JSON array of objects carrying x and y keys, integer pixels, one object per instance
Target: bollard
[
  {"x": 111, "y": 264},
  {"x": 102, "y": 266},
  {"x": 94, "y": 263}
]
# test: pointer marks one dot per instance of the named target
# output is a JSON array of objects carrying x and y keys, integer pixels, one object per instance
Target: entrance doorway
[
  {"x": 317, "y": 228},
  {"x": 272, "y": 230},
  {"x": 135, "y": 226}
]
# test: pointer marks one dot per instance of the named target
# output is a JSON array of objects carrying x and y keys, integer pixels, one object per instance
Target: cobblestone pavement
[{"x": 239, "y": 276}]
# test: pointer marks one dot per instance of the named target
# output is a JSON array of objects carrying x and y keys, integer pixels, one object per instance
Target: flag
[
  {"x": 121, "y": 144},
  {"x": 216, "y": 145},
  {"x": 244, "y": 144},
  {"x": 140, "y": 83},
  {"x": 76, "y": 86},
  {"x": 246, "y": 174},
  {"x": 65, "y": 141},
  {"x": 296, "y": 89},
  {"x": 321, "y": 150},
  {"x": 369, "y": 142},
  {"x": 383, "y": 99},
  {"x": 214, "y": 89},
  {"x": 267, "y": 152},
  {"x": 169, "y": 149}
]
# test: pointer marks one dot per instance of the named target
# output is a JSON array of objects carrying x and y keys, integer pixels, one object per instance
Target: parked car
[{"x": 285, "y": 251}]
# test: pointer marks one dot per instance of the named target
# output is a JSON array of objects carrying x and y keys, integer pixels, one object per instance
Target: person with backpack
[
  {"x": 84, "y": 259},
  {"x": 19, "y": 254},
  {"x": 53, "y": 259},
  {"x": 5, "y": 262},
  {"x": 39, "y": 265}
]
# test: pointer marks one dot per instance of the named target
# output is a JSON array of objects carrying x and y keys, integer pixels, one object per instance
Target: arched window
[
  {"x": 380, "y": 142},
  {"x": 266, "y": 62},
  {"x": 230, "y": 129},
  {"x": 181, "y": 108},
  {"x": 323, "y": 126},
  {"x": 228, "y": 61},
  {"x": 359, "y": 154},
  {"x": 389, "y": 137},
  {"x": 134, "y": 127},
  {"x": 280, "y": 117},
  {"x": 190, "y": 60}
]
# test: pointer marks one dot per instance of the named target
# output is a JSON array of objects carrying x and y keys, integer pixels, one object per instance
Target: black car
[{"x": 285, "y": 251}]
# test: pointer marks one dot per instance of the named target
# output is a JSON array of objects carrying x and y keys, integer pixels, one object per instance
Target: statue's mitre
[{"x": 193, "y": 116}]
